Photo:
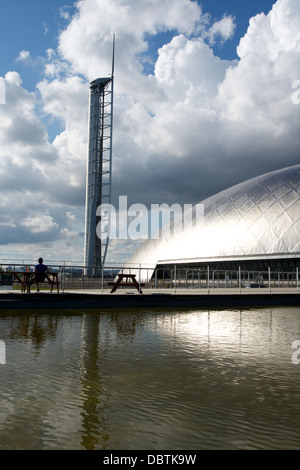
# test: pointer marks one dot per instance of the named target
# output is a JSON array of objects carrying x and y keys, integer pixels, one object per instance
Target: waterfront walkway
[
  {"x": 153, "y": 291},
  {"x": 151, "y": 298}
]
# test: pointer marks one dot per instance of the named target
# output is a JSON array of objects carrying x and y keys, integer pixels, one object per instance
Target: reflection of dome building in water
[{"x": 254, "y": 225}]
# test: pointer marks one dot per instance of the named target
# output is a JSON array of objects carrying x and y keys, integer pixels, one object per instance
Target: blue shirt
[{"x": 41, "y": 268}]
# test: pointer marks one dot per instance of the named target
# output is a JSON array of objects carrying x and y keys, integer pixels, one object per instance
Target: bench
[
  {"x": 130, "y": 281},
  {"x": 25, "y": 279},
  {"x": 50, "y": 278},
  {"x": 5, "y": 282}
]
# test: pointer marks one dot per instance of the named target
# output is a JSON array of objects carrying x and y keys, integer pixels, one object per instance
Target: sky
[{"x": 203, "y": 101}]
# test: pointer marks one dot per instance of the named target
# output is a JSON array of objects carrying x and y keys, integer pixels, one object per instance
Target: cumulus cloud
[
  {"x": 40, "y": 224},
  {"x": 24, "y": 56},
  {"x": 221, "y": 30},
  {"x": 194, "y": 125},
  {"x": 34, "y": 178}
]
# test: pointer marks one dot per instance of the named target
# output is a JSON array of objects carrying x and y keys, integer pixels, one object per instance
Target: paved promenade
[
  {"x": 176, "y": 291},
  {"x": 151, "y": 298}
]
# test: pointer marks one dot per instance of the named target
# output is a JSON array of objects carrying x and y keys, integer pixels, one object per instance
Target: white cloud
[
  {"x": 46, "y": 29},
  {"x": 39, "y": 224},
  {"x": 277, "y": 33},
  {"x": 221, "y": 30},
  {"x": 24, "y": 56},
  {"x": 87, "y": 41},
  {"x": 64, "y": 12},
  {"x": 34, "y": 178}
]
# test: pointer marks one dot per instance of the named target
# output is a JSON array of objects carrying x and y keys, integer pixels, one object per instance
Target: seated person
[{"x": 39, "y": 273}]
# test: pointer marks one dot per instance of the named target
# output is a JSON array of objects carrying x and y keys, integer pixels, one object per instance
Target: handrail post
[
  {"x": 208, "y": 278},
  {"x": 175, "y": 278},
  {"x": 140, "y": 277}
]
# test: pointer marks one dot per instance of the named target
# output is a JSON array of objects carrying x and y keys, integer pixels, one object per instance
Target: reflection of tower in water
[
  {"x": 95, "y": 432},
  {"x": 98, "y": 333}
]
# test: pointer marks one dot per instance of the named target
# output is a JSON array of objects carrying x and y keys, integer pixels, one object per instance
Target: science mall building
[{"x": 252, "y": 226}]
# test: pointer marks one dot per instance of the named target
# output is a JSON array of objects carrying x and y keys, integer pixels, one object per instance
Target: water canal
[{"x": 211, "y": 379}]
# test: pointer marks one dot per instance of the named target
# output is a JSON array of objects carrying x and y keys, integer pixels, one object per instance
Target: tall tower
[{"x": 99, "y": 166}]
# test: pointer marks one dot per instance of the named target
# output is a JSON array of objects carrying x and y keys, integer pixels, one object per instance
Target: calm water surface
[{"x": 150, "y": 380}]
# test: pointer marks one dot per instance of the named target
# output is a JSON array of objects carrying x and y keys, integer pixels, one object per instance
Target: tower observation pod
[{"x": 98, "y": 176}]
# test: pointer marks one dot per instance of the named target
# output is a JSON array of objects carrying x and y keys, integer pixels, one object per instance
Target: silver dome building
[{"x": 254, "y": 224}]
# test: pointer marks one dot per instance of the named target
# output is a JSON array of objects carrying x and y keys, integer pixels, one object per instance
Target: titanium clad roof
[{"x": 252, "y": 219}]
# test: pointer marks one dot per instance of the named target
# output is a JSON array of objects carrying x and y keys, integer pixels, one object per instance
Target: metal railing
[{"x": 80, "y": 277}]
